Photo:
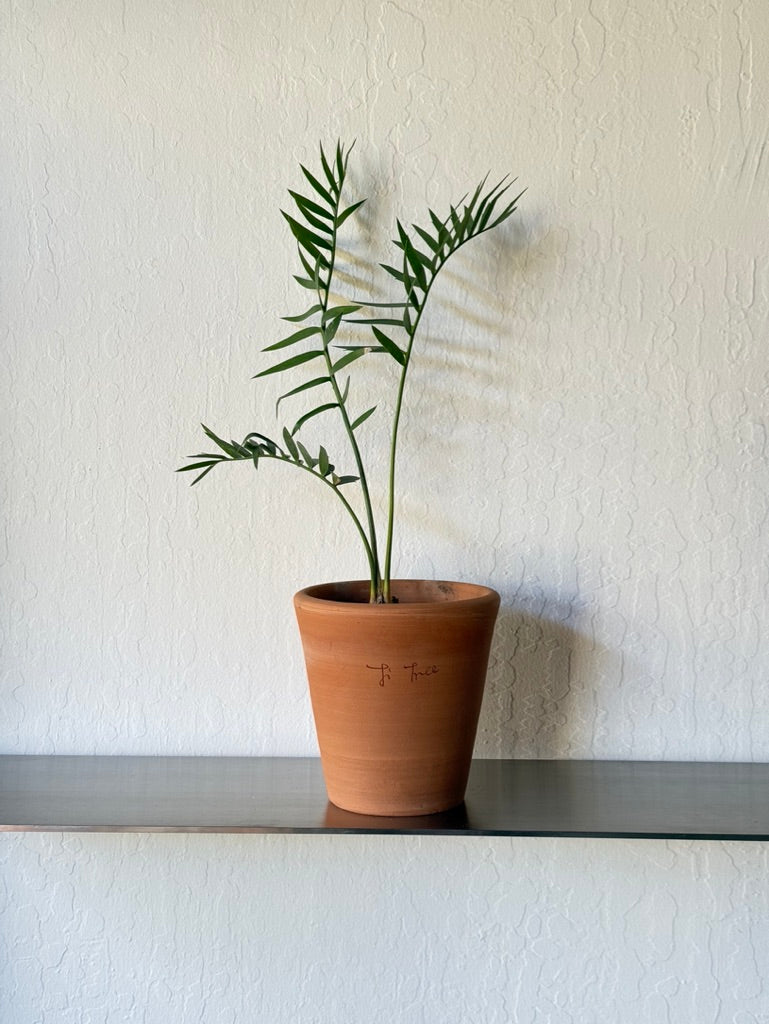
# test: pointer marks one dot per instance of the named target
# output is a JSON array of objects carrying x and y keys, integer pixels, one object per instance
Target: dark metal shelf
[{"x": 606, "y": 799}]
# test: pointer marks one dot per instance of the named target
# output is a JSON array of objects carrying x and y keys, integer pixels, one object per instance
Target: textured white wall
[
  {"x": 603, "y": 396},
  {"x": 319, "y": 929}
]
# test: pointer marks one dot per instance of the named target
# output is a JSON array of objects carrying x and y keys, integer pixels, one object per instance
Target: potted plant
[{"x": 396, "y": 667}]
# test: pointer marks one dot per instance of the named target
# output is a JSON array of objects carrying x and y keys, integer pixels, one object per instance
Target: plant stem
[
  {"x": 370, "y": 553},
  {"x": 420, "y": 307},
  {"x": 386, "y": 581},
  {"x": 375, "y": 589}
]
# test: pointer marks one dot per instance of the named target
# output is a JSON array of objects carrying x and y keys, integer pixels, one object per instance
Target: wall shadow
[{"x": 544, "y": 670}]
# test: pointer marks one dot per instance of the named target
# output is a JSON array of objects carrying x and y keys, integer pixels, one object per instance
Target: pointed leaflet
[
  {"x": 243, "y": 452},
  {"x": 309, "y": 415},
  {"x": 428, "y": 238},
  {"x": 397, "y": 274},
  {"x": 208, "y": 464},
  {"x": 330, "y": 329},
  {"x": 349, "y": 358},
  {"x": 311, "y": 269},
  {"x": 362, "y": 349},
  {"x": 319, "y": 225},
  {"x": 323, "y": 464},
  {"x": 309, "y": 460},
  {"x": 319, "y": 260},
  {"x": 303, "y": 316},
  {"x": 381, "y": 321},
  {"x": 406, "y": 275},
  {"x": 292, "y": 339},
  {"x": 291, "y": 445},
  {"x": 348, "y": 212},
  {"x": 507, "y": 211},
  {"x": 471, "y": 205},
  {"x": 228, "y": 449},
  {"x": 306, "y": 205},
  {"x": 443, "y": 233},
  {"x": 417, "y": 260},
  {"x": 401, "y": 275},
  {"x": 304, "y": 236},
  {"x": 488, "y": 204},
  {"x": 420, "y": 257},
  {"x": 333, "y": 183},
  {"x": 470, "y": 217},
  {"x": 302, "y": 387},
  {"x": 466, "y": 223},
  {"x": 305, "y": 241},
  {"x": 362, "y": 418},
  {"x": 322, "y": 192},
  {"x": 439, "y": 225},
  {"x": 485, "y": 211},
  {"x": 383, "y": 305},
  {"x": 305, "y": 282},
  {"x": 288, "y": 364},
  {"x": 267, "y": 443},
  {"x": 201, "y": 475},
  {"x": 456, "y": 221},
  {"x": 341, "y": 160},
  {"x": 389, "y": 346},
  {"x": 489, "y": 201},
  {"x": 339, "y": 311}
]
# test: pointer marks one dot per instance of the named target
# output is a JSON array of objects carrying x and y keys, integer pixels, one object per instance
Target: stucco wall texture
[{"x": 587, "y": 432}]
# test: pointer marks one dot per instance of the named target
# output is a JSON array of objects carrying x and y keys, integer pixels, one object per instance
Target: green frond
[{"x": 292, "y": 339}]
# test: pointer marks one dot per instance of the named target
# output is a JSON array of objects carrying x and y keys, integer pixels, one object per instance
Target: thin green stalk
[
  {"x": 386, "y": 581},
  {"x": 440, "y": 262},
  {"x": 370, "y": 553},
  {"x": 316, "y": 230},
  {"x": 323, "y": 298}
]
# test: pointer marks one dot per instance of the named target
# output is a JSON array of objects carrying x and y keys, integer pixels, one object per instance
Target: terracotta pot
[{"x": 396, "y": 690}]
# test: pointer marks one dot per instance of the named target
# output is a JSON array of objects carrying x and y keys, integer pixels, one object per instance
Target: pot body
[{"x": 396, "y": 690}]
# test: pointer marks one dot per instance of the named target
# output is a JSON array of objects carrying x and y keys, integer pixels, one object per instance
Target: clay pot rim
[{"x": 449, "y": 594}]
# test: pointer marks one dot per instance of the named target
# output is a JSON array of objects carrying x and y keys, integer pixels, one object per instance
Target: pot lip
[{"x": 465, "y": 595}]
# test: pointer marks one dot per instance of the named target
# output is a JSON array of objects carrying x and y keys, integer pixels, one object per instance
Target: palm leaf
[
  {"x": 292, "y": 339},
  {"x": 389, "y": 346},
  {"x": 348, "y": 212},
  {"x": 362, "y": 418},
  {"x": 309, "y": 460},
  {"x": 340, "y": 311},
  {"x": 322, "y": 192},
  {"x": 304, "y": 236},
  {"x": 316, "y": 382},
  {"x": 347, "y": 359},
  {"x": 303, "y": 316},
  {"x": 288, "y": 364},
  {"x": 306, "y": 205},
  {"x": 397, "y": 274},
  {"x": 291, "y": 445},
  {"x": 314, "y": 412},
  {"x": 305, "y": 282},
  {"x": 330, "y": 177},
  {"x": 431, "y": 242}
]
